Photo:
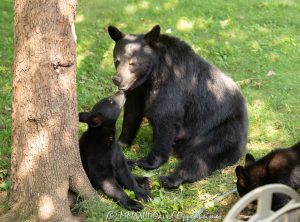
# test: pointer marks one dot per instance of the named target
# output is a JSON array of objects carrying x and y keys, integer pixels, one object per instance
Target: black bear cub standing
[
  {"x": 102, "y": 158},
  {"x": 279, "y": 166}
]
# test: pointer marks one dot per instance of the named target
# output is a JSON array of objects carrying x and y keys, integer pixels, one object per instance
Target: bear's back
[{"x": 192, "y": 72}]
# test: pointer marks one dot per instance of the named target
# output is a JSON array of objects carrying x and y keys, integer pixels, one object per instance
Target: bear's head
[
  {"x": 249, "y": 177},
  {"x": 105, "y": 112},
  {"x": 134, "y": 56}
]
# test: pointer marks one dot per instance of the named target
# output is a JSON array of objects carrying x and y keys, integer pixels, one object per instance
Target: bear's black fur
[
  {"x": 102, "y": 158},
  {"x": 279, "y": 166},
  {"x": 190, "y": 104}
]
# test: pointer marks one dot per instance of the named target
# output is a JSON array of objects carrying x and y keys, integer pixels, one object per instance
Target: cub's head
[
  {"x": 105, "y": 112},
  {"x": 135, "y": 57},
  {"x": 247, "y": 178}
]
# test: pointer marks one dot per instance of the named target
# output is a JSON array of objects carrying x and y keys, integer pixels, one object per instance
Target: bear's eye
[{"x": 117, "y": 62}]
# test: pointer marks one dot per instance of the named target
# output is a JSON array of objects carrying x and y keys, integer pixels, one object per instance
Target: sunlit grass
[
  {"x": 184, "y": 24},
  {"x": 246, "y": 39}
]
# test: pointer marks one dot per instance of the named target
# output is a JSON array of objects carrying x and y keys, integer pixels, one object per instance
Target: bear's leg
[
  {"x": 127, "y": 180},
  {"x": 112, "y": 189},
  {"x": 163, "y": 138},
  {"x": 192, "y": 168},
  {"x": 221, "y": 147},
  {"x": 279, "y": 200},
  {"x": 104, "y": 178},
  {"x": 133, "y": 115}
]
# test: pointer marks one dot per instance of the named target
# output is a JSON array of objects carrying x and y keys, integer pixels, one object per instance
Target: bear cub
[
  {"x": 279, "y": 166},
  {"x": 102, "y": 158}
]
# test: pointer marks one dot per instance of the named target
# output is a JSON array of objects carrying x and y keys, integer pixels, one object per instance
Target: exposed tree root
[{"x": 22, "y": 211}]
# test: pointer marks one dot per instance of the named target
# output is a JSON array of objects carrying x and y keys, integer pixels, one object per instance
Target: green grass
[
  {"x": 246, "y": 39},
  {"x": 6, "y": 58}
]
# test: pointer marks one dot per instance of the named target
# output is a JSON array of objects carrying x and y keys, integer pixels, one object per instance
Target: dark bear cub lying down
[
  {"x": 102, "y": 158},
  {"x": 279, "y": 166}
]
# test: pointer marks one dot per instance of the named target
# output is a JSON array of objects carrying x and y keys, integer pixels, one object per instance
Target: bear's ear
[
  {"x": 83, "y": 116},
  {"x": 249, "y": 159},
  {"x": 95, "y": 120},
  {"x": 152, "y": 36},
  {"x": 115, "y": 33},
  {"x": 241, "y": 175}
]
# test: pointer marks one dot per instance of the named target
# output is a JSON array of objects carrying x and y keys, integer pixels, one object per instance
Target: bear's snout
[{"x": 117, "y": 80}]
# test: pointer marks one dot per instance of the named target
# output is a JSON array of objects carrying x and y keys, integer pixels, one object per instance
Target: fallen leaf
[
  {"x": 169, "y": 31},
  {"x": 224, "y": 23},
  {"x": 270, "y": 73},
  {"x": 7, "y": 108},
  {"x": 135, "y": 147}
]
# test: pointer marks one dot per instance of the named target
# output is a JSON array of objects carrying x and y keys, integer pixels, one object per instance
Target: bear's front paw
[
  {"x": 143, "y": 195},
  {"x": 168, "y": 183},
  {"x": 131, "y": 205},
  {"x": 151, "y": 163},
  {"x": 144, "y": 182}
]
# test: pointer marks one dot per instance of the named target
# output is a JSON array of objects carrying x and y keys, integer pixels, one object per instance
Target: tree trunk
[{"x": 45, "y": 156}]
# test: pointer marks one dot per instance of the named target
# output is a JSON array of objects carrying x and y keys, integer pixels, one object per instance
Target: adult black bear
[
  {"x": 278, "y": 166},
  {"x": 102, "y": 158},
  {"x": 190, "y": 104}
]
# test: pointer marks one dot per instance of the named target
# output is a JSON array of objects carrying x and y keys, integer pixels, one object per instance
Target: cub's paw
[
  {"x": 144, "y": 182},
  {"x": 131, "y": 205},
  {"x": 168, "y": 183}
]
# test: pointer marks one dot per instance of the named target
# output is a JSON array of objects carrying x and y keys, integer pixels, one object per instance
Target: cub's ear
[
  {"x": 95, "y": 120},
  {"x": 83, "y": 116},
  {"x": 152, "y": 36},
  {"x": 115, "y": 33},
  {"x": 249, "y": 159},
  {"x": 241, "y": 175}
]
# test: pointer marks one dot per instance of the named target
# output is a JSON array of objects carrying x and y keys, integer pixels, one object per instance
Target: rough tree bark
[{"x": 45, "y": 156}]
